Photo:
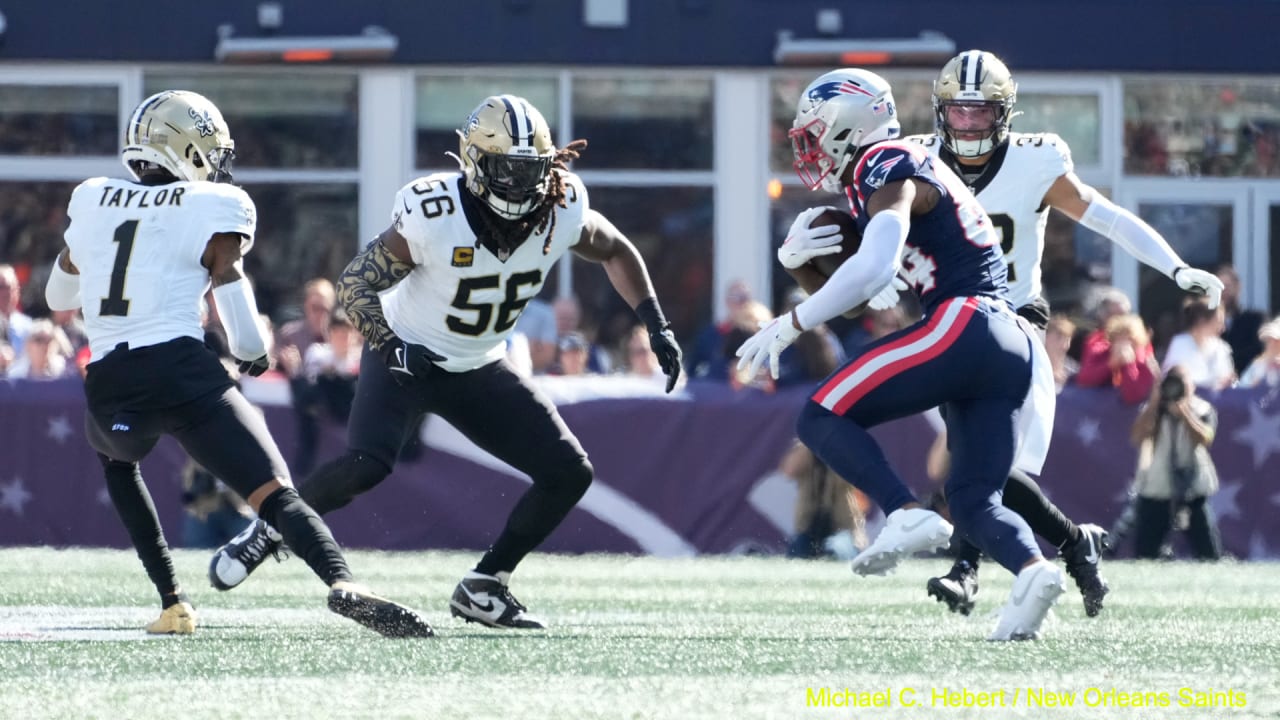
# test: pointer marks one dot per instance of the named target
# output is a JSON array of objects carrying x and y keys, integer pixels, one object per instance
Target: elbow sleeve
[
  {"x": 239, "y": 314},
  {"x": 62, "y": 291},
  {"x": 1131, "y": 233}
]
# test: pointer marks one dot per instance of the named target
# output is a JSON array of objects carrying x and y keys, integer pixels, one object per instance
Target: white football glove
[
  {"x": 1199, "y": 282},
  {"x": 773, "y": 337},
  {"x": 888, "y": 297},
  {"x": 804, "y": 243}
]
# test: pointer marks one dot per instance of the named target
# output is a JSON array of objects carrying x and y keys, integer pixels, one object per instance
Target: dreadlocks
[{"x": 510, "y": 233}]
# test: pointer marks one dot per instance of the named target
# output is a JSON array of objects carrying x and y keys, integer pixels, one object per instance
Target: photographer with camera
[{"x": 1175, "y": 474}]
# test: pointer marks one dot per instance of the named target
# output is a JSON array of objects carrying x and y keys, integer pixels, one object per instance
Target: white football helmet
[
  {"x": 975, "y": 83},
  {"x": 837, "y": 115},
  {"x": 182, "y": 132},
  {"x": 506, "y": 153}
]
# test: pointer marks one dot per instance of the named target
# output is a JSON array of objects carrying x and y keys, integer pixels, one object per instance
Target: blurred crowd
[{"x": 1105, "y": 345}]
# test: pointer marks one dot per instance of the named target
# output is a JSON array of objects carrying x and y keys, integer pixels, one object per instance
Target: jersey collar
[{"x": 989, "y": 170}]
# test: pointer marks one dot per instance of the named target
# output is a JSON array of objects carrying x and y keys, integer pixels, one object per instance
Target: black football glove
[
  {"x": 664, "y": 345},
  {"x": 254, "y": 368},
  {"x": 408, "y": 362}
]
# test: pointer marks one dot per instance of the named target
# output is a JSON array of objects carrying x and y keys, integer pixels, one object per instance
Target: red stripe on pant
[{"x": 957, "y": 325}]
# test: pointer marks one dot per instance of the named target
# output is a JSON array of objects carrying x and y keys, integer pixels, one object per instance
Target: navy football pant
[{"x": 969, "y": 355}]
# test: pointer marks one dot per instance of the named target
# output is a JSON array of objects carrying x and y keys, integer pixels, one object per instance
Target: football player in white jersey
[
  {"x": 1017, "y": 177},
  {"x": 436, "y": 295},
  {"x": 140, "y": 256}
]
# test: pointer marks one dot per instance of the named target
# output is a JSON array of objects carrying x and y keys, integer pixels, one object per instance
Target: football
[
  {"x": 827, "y": 264},
  {"x": 813, "y": 274}
]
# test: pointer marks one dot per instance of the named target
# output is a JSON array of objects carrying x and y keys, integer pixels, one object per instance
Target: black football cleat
[
  {"x": 1082, "y": 565},
  {"x": 487, "y": 600},
  {"x": 383, "y": 616},
  {"x": 232, "y": 563},
  {"x": 957, "y": 588}
]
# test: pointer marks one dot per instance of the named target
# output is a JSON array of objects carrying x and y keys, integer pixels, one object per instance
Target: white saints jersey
[
  {"x": 1012, "y": 191},
  {"x": 462, "y": 301},
  {"x": 139, "y": 248}
]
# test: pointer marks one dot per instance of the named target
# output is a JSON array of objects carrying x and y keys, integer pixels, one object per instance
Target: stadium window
[
  {"x": 59, "y": 120},
  {"x": 441, "y": 104},
  {"x": 35, "y": 214},
  {"x": 644, "y": 122},
  {"x": 672, "y": 229},
  {"x": 293, "y": 121},
  {"x": 305, "y": 230},
  {"x": 1180, "y": 126}
]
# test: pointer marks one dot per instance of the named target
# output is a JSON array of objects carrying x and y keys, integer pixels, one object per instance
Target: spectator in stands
[
  {"x": 568, "y": 313},
  {"x": 6, "y": 357},
  {"x": 14, "y": 325},
  {"x": 1057, "y": 342},
  {"x": 1176, "y": 474},
  {"x": 44, "y": 355},
  {"x": 318, "y": 300},
  {"x": 1204, "y": 356},
  {"x": 827, "y": 507},
  {"x": 1242, "y": 325},
  {"x": 709, "y": 358},
  {"x": 872, "y": 325},
  {"x": 1130, "y": 363},
  {"x": 1265, "y": 368},
  {"x": 537, "y": 323},
  {"x": 573, "y": 348},
  {"x": 72, "y": 325},
  {"x": 1117, "y": 354},
  {"x": 747, "y": 318},
  {"x": 815, "y": 354},
  {"x": 212, "y": 513},
  {"x": 322, "y": 383}
]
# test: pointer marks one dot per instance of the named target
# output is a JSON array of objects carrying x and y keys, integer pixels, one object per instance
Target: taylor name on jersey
[
  {"x": 1011, "y": 188},
  {"x": 462, "y": 300},
  {"x": 139, "y": 247}
]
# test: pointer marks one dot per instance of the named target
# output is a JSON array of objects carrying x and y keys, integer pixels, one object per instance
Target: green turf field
[{"x": 631, "y": 638}]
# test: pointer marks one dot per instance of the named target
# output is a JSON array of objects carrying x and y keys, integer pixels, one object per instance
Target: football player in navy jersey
[
  {"x": 969, "y": 353},
  {"x": 436, "y": 295},
  {"x": 141, "y": 254},
  {"x": 1018, "y": 177}
]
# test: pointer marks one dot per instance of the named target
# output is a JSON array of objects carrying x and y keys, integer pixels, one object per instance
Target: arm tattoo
[{"x": 373, "y": 270}]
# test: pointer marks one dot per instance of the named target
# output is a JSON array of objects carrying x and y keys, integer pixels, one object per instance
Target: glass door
[
  {"x": 1205, "y": 222},
  {"x": 1261, "y": 282}
]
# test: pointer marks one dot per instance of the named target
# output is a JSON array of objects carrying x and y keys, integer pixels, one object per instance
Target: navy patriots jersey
[{"x": 952, "y": 250}]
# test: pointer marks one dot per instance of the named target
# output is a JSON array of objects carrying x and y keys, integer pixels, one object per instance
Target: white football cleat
[
  {"x": 906, "y": 532},
  {"x": 1035, "y": 591}
]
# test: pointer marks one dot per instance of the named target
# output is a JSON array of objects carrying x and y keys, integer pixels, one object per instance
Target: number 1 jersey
[{"x": 139, "y": 249}]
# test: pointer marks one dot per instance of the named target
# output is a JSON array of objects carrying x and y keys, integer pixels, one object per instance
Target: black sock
[
  {"x": 168, "y": 600},
  {"x": 305, "y": 534},
  {"x": 966, "y": 551},
  {"x": 537, "y": 513},
  {"x": 1023, "y": 496},
  {"x": 133, "y": 504}
]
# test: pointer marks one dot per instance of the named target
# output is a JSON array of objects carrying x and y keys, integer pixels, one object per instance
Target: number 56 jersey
[
  {"x": 462, "y": 299},
  {"x": 1012, "y": 190},
  {"x": 139, "y": 249}
]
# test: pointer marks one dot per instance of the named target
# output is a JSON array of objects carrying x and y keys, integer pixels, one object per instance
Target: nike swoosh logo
[
  {"x": 401, "y": 367},
  {"x": 490, "y": 605},
  {"x": 407, "y": 211},
  {"x": 1092, "y": 556},
  {"x": 916, "y": 524}
]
